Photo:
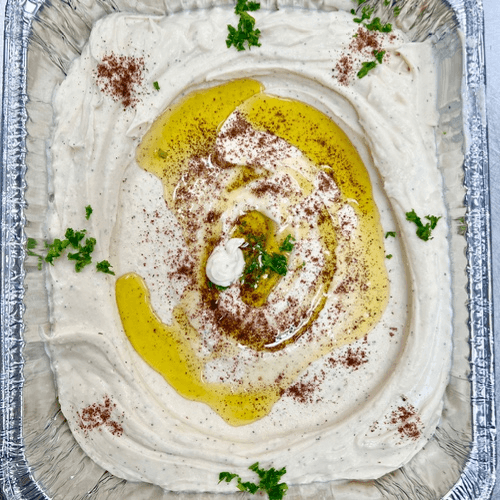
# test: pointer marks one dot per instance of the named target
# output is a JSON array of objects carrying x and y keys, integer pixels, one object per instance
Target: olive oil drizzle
[{"x": 189, "y": 128}]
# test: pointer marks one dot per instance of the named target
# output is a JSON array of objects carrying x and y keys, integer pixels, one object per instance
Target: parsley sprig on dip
[
  {"x": 423, "y": 231},
  {"x": 246, "y": 31},
  {"x": 72, "y": 240},
  {"x": 258, "y": 261},
  {"x": 374, "y": 25},
  {"x": 269, "y": 481}
]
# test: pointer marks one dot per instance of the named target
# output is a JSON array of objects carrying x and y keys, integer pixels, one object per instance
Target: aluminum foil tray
[{"x": 39, "y": 457}]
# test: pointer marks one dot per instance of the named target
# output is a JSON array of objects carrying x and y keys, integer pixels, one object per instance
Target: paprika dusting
[
  {"x": 362, "y": 46},
  {"x": 407, "y": 421},
  {"x": 119, "y": 77},
  {"x": 97, "y": 415}
]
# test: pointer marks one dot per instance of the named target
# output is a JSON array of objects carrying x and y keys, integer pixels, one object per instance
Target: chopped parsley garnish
[
  {"x": 379, "y": 55},
  {"x": 369, "y": 65},
  {"x": 397, "y": 11},
  {"x": 275, "y": 262},
  {"x": 391, "y": 234},
  {"x": 365, "y": 68},
  {"x": 366, "y": 13},
  {"x": 55, "y": 249},
  {"x": 246, "y": 31},
  {"x": 269, "y": 481},
  {"x": 423, "y": 231},
  {"x": 104, "y": 267},
  {"x": 74, "y": 237},
  {"x": 82, "y": 258},
  {"x": 217, "y": 287},
  {"x": 32, "y": 244},
  {"x": 156, "y": 85},
  {"x": 288, "y": 244},
  {"x": 376, "y": 25},
  {"x": 72, "y": 240},
  {"x": 258, "y": 261},
  {"x": 88, "y": 212},
  {"x": 389, "y": 256},
  {"x": 462, "y": 228},
  {"x": 244, "y": 6}
]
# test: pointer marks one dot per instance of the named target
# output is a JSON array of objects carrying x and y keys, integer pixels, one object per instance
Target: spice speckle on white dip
[{"x": 359, "y": 411}]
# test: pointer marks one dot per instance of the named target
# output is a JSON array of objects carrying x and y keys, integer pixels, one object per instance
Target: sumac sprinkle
[
  {"x": 407, "y": 421},
  {"x": 98, "y": 415},
  {"x": 119, "y": 77}
]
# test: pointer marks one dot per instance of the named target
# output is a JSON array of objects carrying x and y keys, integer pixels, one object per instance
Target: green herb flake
[
  {"x": 74, "y": 237},
  {"x": 365, "y": 68},
  {"x": 246, "y": 31},
  {"x": 217, "y": 287},
  {"x": 88, "y": 212},
  {"x": 162, "y": 154},
  {"x": 462, "y": 227},
  {"x": 376, "y": 25},
  {"x": 288, "y": 244},
  {"x": 275, "y": 262},
  {"x": 55, "y": 250},
  {"x": 397, "y": 11},
  {"x": 245, "y": 6},
  {"x": 82, "y": 258},
  {"x": 379, "y": 55},
  {"x": 156, "y": 85},
  {"x": 366, "y": 13},
  {"x": 389, "y": 256},
  {"x": 104, "y": 267},
  {"x": 423, "y": 231},
  {"x": 258, "y": 261},
  {"x": 390, "y": 234},
  {"x": 30, "y": 245},
  {"x": 269, "y": 481}
]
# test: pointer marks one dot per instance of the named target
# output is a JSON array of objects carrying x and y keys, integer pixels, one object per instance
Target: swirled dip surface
[{"x": 363, "y": 406}]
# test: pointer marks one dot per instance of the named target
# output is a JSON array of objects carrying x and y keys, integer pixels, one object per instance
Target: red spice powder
[
  {"x": 119, "y": 76},
  {"x": 353, "y": 358},
  {"x": 344, "y": 69},
  {"x": 408, "y": 421},
  {"x": 303, "y": 392},
  {"x": 97, "y": 415},
  {"x": 361, "y": 47}
]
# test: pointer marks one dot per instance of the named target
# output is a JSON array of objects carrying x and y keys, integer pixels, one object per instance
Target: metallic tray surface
[{"x": 20, "y": 478}]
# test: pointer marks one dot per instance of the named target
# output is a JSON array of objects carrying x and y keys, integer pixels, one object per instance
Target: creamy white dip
[{"x": 354, "y": 425}]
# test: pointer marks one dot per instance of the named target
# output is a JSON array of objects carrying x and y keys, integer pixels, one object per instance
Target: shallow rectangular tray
[{"x": 39, "y": 458}]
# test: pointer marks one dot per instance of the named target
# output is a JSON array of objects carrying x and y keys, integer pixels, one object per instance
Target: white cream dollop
[{"x": 226, "y": 263}]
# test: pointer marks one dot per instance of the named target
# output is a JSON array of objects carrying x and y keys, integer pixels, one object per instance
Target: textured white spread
[
  {"x": 225, "y": 264},
  {"x": 346, "y": 428},
  {"x": 253, "y": 148}
]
